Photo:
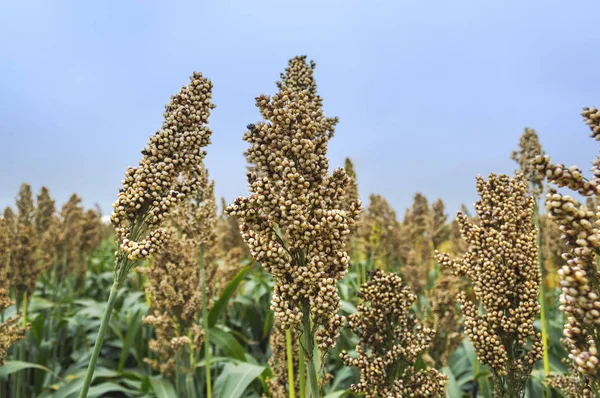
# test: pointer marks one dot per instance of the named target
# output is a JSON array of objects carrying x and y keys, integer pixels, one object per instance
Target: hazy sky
[{"x": 429, "y": 93}]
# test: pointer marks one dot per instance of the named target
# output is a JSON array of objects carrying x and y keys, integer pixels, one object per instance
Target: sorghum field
[{"x": 298, "y": 289}]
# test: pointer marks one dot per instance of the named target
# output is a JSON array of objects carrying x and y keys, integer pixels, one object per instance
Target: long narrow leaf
[
  {"x": 132, "y": 331},
  {"x": 14, "y": 366},
  {"x": 162, "y": 387},
  {"x": 235, "y": 378},
  {"x": 227, "y": 343},
  {"x": 221, "y": 304}
]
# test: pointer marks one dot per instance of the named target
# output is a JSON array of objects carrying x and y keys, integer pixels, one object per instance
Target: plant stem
[
  {"x": 205, "y": 323},
  {"x": 308, "y": 347},
  {"x": 98, "y": 345},
  {"x": 290, "y": 363},
  {"x": 177, "y": 376},
  {"x": 301, "y": 373}
]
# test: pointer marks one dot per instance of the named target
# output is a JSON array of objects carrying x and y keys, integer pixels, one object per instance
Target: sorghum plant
[
  {"x": 174, "y": 282},
  {"x": 501, "y": 264},
  {"x": 419, "y": 249},
  {"x": 167, "y": 175},
  {"x": 354, "y": 241},
  {"x": 439, "y": 228},
  {"x": 352, "y": 191},
  {"x": 44, "y": 211},
  {"x": 25, "y": 269},
  {"x": 391, "y": 340},
  {"x": 552, "y": 245},
  {"x": 69, "y": 239},
  {"x": 529, "y": 149},
  {"x": 281, "y": 341},
  {"x": 10, "y": 331},
  {"x": 296, "y": 219},
  {"x": 228, "y": 233},
  {"x": 570, "y": 383},
  {"x": 457, "y": 242},
  {"x": 444, "y": 317},
  {"x": 377, "y": 227},
  {"x": 580, "y": 298}
]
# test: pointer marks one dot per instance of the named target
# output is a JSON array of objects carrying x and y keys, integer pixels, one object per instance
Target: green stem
[
  {"x": 302, "y": 373},
  {"x": 177, "y": 375},
  {"x": 98, "y": 345},
  {"x": 21, "y": 349},
  {"x": 191, "y": 387},
  {"x": 308, "y": 347},
  {"x": 290, "y": 363},
  {"x": 205, "y": 323}
]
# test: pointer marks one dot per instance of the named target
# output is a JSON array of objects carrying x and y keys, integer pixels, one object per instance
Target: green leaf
[
  {"x": 132, "y": 331},
  {"x": 14, "y": 366},
  {"x": 452, "y": 387},
  {"x": 162, "y": 387},
  {"x": 69, "y": 389},
  {"x": 337, "y": 394},
  {"x": 202, "y": 362},
  {"x": 38, "y": 303},
  {"x": 235, "y": 378},
  {"x": 348, "y": 307},
  {"x": 227, "y": 343},
  {"x": 268, "y": 323},
  {"x": 103, "y": 388},
  {"x": 37, "y": 327},
  {"x": 226, "y": 295}
]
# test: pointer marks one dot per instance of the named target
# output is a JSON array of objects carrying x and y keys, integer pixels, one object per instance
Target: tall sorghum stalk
[
  {"x": 153, "y": 188},
  {"x": 206, "y": 335},
  {"x": 181, "y": 284},
  {"x": 501, "y": 264},
  {"x": 580, "y": 298},
  {"x": 296, "y": 220},
  {"x": 351, "y": 196},
  {"x": 529, "y": 149},
  {"x": 290, "y": 363},
  {"x": 284, "y": 362},
  {"x": 543, "y": 316}
]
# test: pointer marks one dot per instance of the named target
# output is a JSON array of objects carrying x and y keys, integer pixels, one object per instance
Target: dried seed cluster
[
  {"x": 439, "y": 228},
  {"x": 352, "y": 192},
  {"x": 296, "y": 219},
  {"x": 377, "y": 230},
  {"x": 44, "y": 211},
  {"x": 176, "y": 299},
  {"x": 153, "y": 188},
  {"x": 69, "y": 238},
  {"x": 529, "y": 149},
  {"x": 580, "y": 298},
  {"x": 390, "y": 341},
  {"x": 26, "y": 230},
  {"x": 228, "y": 234},
  {"x": 571, "y": 385},
  {"x": 501, "y": 264},
  {"x": 417, "y": 257},
  {"x": 174, "y": 284},
  {"x": 10, "y": 331},
  {"x": 445, "y": 317}
]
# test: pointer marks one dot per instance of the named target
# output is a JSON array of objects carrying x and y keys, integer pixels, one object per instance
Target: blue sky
[{"x": 429, "y": 93}]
